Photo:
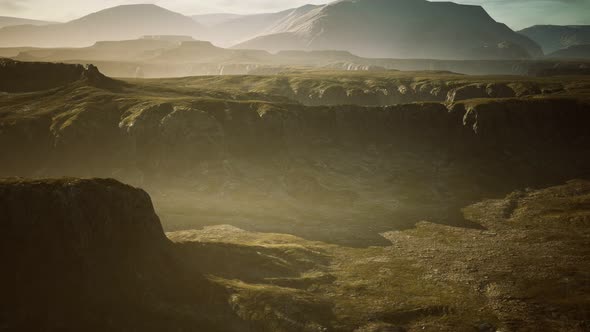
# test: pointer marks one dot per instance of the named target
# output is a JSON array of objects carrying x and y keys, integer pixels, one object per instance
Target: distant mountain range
[
  {"x": 556, "y": 37},
  {"x": 209, "y": 20},
  {"x": 398, "y": 29},
  {"x": 243, "y": 28},
  {"x": 117, "y": 23},
  {"x": 10, "y": 21},
  {"x": 368, "y": 28}
]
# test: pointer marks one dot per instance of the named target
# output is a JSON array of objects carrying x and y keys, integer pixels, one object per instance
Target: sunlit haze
[{"x": 517, "y": 14}]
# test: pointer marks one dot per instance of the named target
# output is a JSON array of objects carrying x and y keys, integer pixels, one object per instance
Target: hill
[
  {"x": 293, "y": 206},
  {"x": 240, "y": 29},
  {"x": 398, "y": 29},
  {"x": 573, "y": 52},
  {"x": 214, "y": 19},
  {"x": 117, "y": 23},
  {"x": 9, "y": 21},
  {"x": 556, "y": 37}
]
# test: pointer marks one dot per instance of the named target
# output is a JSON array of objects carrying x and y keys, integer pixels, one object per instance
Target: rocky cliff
[
  {"x": 16, "y": 76},
  {"x": 245, "y": 148},
  {"x": 91, "y": 255}
]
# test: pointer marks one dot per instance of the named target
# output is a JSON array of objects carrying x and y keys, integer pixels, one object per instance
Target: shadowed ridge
[
  {"x": 91, "y": 255},
  {"x": 16, "y": 76}
]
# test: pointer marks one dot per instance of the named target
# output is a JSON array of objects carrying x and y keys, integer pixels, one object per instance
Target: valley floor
[{"x": 526, "y": 270}]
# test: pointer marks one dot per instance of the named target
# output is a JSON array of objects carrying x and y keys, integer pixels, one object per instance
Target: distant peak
[
  {"x": 145, "y": 5},
  {"x": 132, "y": 8}
]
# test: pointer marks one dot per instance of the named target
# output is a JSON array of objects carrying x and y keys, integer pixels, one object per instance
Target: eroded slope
[
  {"x": 526, "y": 270},
  {"x": 237, "y": 150}
]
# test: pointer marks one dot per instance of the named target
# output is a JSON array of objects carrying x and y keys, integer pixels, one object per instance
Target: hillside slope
[
  {"x": 399, "y": 29},
  {"x": 239, "y": 29},
  {"x": 9, "y": 21},
  {"x": 117, "y": 23},
  {"x": 556, "y": 37},
  {"x": 573, "y": 52},
  {"x": 275, "y": 153}
]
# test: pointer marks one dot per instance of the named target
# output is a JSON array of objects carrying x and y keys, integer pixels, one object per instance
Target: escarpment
[
  {"x": 16, "y": 76},
  {"x": 250, "y": 141},
  {"x": 163, "y": 140},
  {"x": 91, "y": 255}
]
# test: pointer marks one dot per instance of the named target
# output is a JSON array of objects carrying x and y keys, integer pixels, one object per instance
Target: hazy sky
[{"x": 515, "y": 13}]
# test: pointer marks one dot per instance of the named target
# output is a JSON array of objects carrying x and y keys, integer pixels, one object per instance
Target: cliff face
[
  {"x": 247, "y": 151},
  {"x": 159, "y": 137},
  {"x": 89, "y": 255},
  {"x": 16, "y": 76}
]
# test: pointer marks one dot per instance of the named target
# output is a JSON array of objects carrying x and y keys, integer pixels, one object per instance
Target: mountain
[
  {"x": 573, "y": 52},
  {"x": 243, "y": 28},
  {"x": 556, "y": 37},
  {"x": 9, "y": 21},
  {"x": 399, "y": 29},
  {"x": 141, "y": 49},
  {"x": 214, "y": 19},
  {"x": 117, "y": 23}
]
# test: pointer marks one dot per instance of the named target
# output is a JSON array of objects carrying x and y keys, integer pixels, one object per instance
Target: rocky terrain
[
  {"x": 31, "y": 76},
  {"x": 302, "y": 200},
  {"x": 91, "y": 255},
  {"x": 282, "y": 148},
  {"x": 106, "y": 264},
  {"x": 181, "y": 56},
  {"x": 524, "y": 269}
]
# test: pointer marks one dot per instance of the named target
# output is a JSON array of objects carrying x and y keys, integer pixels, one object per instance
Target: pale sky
[{"x": 516, "y": 13}]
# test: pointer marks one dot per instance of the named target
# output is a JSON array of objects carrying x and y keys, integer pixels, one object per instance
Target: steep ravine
[{"x": 235, "y": 150}]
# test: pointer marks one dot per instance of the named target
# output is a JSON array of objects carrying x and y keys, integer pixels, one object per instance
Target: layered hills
[
  {"x": 281, "y": 147},
  {"x": 305, "y": 200},
  {"x": 9, "y": 21},
  {"x": 553, "y": 38},
  {"x": 90, "y": 254},
  {"x": 399, "y": 29},
  {"x": 369, "y": 28},
  {"x": 117, "y": 23}
]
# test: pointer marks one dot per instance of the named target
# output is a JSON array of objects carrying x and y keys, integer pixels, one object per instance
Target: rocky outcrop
[
  {"x": 160, "y": 137},
  {"x": 91, "y": 255},
  {"x": 16, "y": 76},
  {"x": 474, "y": 91},
  {"x": 164, "y": 135}
]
